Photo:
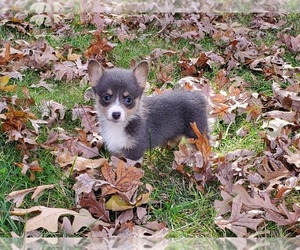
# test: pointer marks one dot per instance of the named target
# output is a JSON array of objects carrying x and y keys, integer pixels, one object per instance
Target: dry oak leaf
[
  {"x": 256, "y": 201},
  {"x": 79, "y": 163},
  {"x": 239, "y": 221},
  {"x": 125, "y": 217},
  {"x": 118, "y": 203},
  {"x": 123, "y": 180},
  {"x": 47, "y": 219},
  {"x": 288, "y": 99},
  {"x": 85, "y": 184},
  {"x": 275, "y": 126},
  {"x": 271, "y": 169},
  {"x": 223, "y": 207},
  {"x": 7, "y": 54},
  {"x": 86, "y": 220},
  {"x": 18, "y": 196},
  {"x": 291, "y": 157},
  {"x": 15, "y": 119},
  {"x": 53, "y": 110},
  {"x": 99, "y": 47},
  {"x": 202, "y": 143},
  {"x": 96, "y": 207},
  {"x": 289, "y": 219},
  {"x": 3, "y": 84},
  {"x": 32, "y": 167}
]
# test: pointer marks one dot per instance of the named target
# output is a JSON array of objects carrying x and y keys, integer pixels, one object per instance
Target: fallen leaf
[
  {"x": 292, "y": 157},
  {"x": 141, "y": 212},
  {"x": 124, "y": 179},
  {"x": 100, "y": 47},
  {"x": 202, "y": 142},
  {"x": 53, "y": 110},
  {"x": 86, "y": 220},
  {"x": 284, "y": 217},
  {"x": 79, "y": 163},
  {"x": 8, "y": 54},
  {"x": 18, "y": 196},
  {"x": 116, "y": 203},
  {"x": 271, "y": 169},
  {"x": 239, "y": 221},
  {"x": 223, "y": 207},
  {"x": 31, "y": 167},
  {"x": 125, "y": 217},
  {"x": 47, "y": 219},
  {"x": 95, "y": 207},
  {"x": 274, "y": 126},
  {"x": 288, "y": 99},
  {"x": 3, "y": 84}
]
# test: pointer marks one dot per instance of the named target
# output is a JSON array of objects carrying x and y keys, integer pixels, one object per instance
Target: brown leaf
[
  {"x": 158, "y": 52},
  {"x": 141, "y": 212},
  {"x": 95, "y": 207},
  {"x": 221, "y": 80},
  {"x": 16, "y": 119},
  {"x": 239, "y": 221},
  {"x": 198, "y": 159},
  {"x": 223, "y": 207},
  {"x": 79, "y": 163},
  {"x": 125, "y": 216},
  {"x": 285, "y": 217},
  {"x": 100, "y": 47},
  {"x": 188, "y": 68},
  {"x": 202, "y": 143},
  {"x": 293, "y": 43},
  {"x": 271, "y": 169},
  {"x": 291, "y": 157},
  {"x": 8, "y": 54},
  {"x": 123, "y": 180},
  {"x": 287, "y": 98},
  {"x": 85, "y": 219},
  {"x": 66, "y": 70},
  {"x": 18, "y": 196},
  {"x": 289, "y": 116},
  {"x": 88, "y": 118},
  {"x": 84, "y": 184},
  {"x": 53, "y": 110},
  {"x": 31, "y": 167},
  {"x": 47, "y": 219}
]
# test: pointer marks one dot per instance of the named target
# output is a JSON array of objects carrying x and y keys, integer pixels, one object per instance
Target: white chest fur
[{"x": 115, "y": 137}]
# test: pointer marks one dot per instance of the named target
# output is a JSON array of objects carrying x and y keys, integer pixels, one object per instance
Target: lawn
[{"x": 254, "y": 137}]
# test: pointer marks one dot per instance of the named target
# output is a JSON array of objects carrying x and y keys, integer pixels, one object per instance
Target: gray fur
[{"x": 166, "y": 117}]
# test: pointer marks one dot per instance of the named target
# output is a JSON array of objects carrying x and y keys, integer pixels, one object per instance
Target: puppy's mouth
[{"x": 116, "y": 121}]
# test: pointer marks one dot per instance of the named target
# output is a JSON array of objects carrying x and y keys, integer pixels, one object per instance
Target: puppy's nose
[{"x": 116, "y": 115}]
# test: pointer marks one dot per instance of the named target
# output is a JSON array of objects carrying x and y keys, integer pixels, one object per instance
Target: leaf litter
[{"x": 253, "y": 185}]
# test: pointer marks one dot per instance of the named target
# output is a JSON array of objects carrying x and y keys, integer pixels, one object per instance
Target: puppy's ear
[
  {"x": 95, "y": 72},
  {"x": 141, "y": 73}
]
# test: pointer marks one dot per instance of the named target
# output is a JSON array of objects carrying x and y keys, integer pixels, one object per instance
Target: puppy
[{"x": 131, "y": 123}]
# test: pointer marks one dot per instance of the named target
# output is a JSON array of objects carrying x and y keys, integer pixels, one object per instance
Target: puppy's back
[{"x": 170, "y": 114}]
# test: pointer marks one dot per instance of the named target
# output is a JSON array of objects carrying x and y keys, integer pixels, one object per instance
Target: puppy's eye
[
  {"x": 127, "y": 100},
  {"x": 106, "y": 98}
]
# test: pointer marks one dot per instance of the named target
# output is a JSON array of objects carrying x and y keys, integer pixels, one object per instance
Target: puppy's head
[{"x": 118, "y": 91}]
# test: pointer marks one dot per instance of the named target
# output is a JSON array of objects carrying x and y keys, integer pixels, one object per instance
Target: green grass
[
  {"x": 12, "y": 180},
  {"x": 187, "y": 212}
]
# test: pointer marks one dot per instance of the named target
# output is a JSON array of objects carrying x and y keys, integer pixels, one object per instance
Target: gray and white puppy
[{"x": 131, "y": 123}]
